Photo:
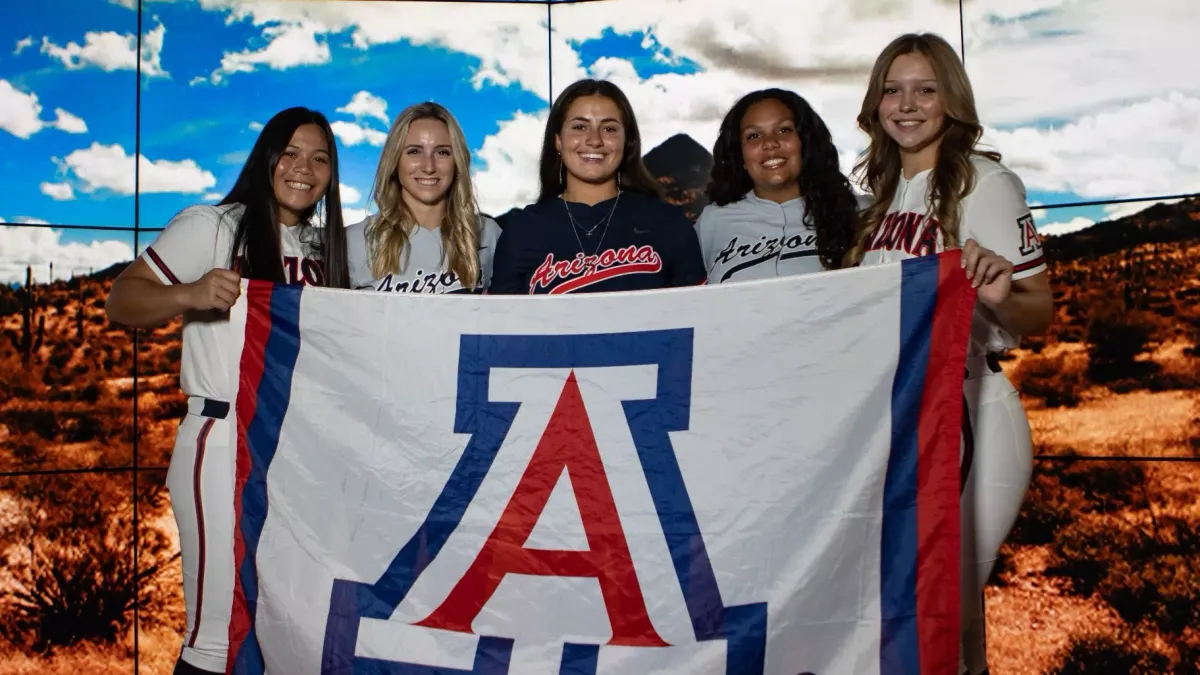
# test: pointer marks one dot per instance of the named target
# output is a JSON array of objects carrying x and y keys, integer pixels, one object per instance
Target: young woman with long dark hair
[
  {"x": 600, "y": 223},
  {"x": 263, "y": 229},
  {"x": 780, "y": 205},
  {"x": 428, "y": 236},
  {"x": 934, "y": 190}
]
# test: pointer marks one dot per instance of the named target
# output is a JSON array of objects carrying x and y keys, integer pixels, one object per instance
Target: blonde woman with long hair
[
  {"x": 428, "y": 236},
  {"x": 935, "y": 190}
]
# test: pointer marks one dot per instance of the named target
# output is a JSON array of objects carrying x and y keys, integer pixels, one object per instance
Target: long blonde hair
[
  {"x": 388, "y": 234},
  {"x": 953, "y": 177}
]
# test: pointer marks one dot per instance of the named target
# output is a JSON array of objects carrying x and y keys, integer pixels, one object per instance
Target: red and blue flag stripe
[{"x": 919, "y": 576}]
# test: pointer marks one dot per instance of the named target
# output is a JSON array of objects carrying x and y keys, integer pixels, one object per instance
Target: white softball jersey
[
  {"x": 995, "y": 214},
  {"x": 197, "y": 240},
  {"x": 997, "y": 449},
  {"x": 201, "y": 476},
  {"x": 423, "y": 266}
]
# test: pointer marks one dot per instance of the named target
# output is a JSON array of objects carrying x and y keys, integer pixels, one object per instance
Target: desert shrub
[
  {"x": 1112, "y": 484},
  {"x": 1044, "y": 512},
  {"x": 1110, "y": 654},
  {"x": 1165, "y": 592},
  {"x": 1057, "y": 381},
  {"x": 1083, "y": 551},
  {"x": 59, "y": 357},
  {"x": 1116, "y": 337},
  {"x": 1189, "y": 660},
  {"x": 78, "y": 580},
  {"x": 90, "y": 393},
  {"x": 38, "y": 421},
  {"x": 1123, "y": 548},
  {"x": 28, "y": 456},
  {"x": 83, "y": 428}
]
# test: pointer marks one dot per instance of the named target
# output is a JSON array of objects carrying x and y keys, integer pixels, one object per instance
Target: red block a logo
[{"x": 568, "y": 443}]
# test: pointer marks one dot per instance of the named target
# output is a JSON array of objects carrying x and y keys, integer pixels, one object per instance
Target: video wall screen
[{"x": 105, "y": 134}]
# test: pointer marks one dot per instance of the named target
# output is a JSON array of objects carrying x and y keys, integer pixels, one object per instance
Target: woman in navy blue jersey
[{"x": 600, "y": 223}]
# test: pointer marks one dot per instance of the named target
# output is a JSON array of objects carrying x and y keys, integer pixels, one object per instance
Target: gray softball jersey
[
  {"x": 423, "y": 269},
  {"x": 755, "y": 238}
]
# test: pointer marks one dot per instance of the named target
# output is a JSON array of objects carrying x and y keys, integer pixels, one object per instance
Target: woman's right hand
[{"x": 218, "y": 289}]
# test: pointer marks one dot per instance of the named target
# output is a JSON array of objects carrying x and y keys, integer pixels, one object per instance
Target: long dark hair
[
  {"x": 830, "y": 208},
  {"x": 633, "y": 174},
  {"x": 256, "y": 252}
]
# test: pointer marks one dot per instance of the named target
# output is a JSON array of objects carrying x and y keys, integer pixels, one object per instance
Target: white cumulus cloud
[
  {"x": 37, "y": 247},
  {"x": 1060, "y": 228},
  {"x": 58, "y": 191},
  {"x": 21, "y": 114},
  {"x": 109, "y": 167},
  {"x": 354, "y": 134},
  {"x": 509, "y": 40},
  {"x": 506, "y": 165},
  {"x": 826, "y": 60},
  {"x": 69, "y": 123},
  {"x": 349, "y": 194},
  {"x": 365, "y": 104},
  {"x": 23, "y": 44},
  {"x": 1151, "y": 147},
  {"x": 289, "y": 45},
  {"x": 109, "y": 50}
]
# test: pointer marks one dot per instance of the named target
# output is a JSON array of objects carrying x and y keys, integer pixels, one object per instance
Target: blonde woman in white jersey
[
  {"x": 428, "y": 236},
  {"x": 261, "y": 230},
  {"x": 934, "y": 191}
]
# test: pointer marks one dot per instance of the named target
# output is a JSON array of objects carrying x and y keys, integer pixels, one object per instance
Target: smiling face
[
  {"x": 911, "y": 110},
  {"x": 426, "y": 168},
  {"x": 771, "y": 150},
  {"x": 302, "y": 174},
  {"x": 592, "y": 140}
]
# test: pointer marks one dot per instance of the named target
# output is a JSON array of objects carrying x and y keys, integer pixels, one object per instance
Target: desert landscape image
[
  {"x": 1101, "y": 574},
  {"x": 117, "y": 114}
]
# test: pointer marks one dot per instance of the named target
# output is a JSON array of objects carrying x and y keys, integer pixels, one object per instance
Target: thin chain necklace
[
  {"x": 587, "y": 232},
  {"x": 575, "y": 227}
]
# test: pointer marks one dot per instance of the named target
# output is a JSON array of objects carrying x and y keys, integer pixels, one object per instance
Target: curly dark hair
[{"x": 830, "y": 207}]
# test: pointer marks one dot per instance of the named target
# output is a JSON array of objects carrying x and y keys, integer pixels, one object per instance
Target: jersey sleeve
[
  {"x": 686, "y": 264},
  {"x": 357, "y": 257},
  {"x": 187, "y": 249},
  {"x": 998, "y": 218},
  {"x": 488, "y": 238},
  {"x": 706, "y": 231}
]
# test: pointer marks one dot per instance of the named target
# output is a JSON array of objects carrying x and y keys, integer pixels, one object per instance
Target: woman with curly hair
[
  {"x": 935, "y": 190},
  {"x": 779, "y": 203}
]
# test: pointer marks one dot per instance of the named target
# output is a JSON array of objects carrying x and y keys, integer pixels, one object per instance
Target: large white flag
[{"x": 739, "y": 479}]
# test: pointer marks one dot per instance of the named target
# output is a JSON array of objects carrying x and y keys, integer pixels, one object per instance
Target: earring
[
  {"x": 618, "y": 179},
  {"x": 562, "y": 171}
]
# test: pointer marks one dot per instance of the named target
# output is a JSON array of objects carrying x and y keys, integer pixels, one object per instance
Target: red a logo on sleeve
[{"x": 1030, "y": 241}]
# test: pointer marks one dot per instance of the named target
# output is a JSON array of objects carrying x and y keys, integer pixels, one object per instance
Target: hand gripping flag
[{"x": 739, "y": 480}]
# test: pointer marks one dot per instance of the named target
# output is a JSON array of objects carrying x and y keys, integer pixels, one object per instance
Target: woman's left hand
[{"x": 989, "y": 273}]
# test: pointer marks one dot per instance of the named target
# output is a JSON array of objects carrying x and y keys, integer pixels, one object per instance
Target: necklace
[
  {"x": 606, "y": 220},
  {"x": 587, "y": 231}
]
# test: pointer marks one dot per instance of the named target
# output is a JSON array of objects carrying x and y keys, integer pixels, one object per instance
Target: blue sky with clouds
[{"x": 1081, "y": 107}]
